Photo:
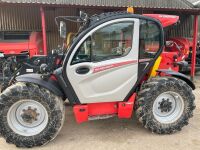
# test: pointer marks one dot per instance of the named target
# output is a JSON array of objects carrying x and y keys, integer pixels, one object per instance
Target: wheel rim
[
  {"x": 27, "y": 117},
  {"x": 168, "y": 107}
]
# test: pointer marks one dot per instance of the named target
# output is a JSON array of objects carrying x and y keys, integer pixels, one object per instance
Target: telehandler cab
[{"x": 107, "y": 72}]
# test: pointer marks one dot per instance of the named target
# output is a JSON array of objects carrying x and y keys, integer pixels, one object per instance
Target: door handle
[{"x": 82, "y": 70}]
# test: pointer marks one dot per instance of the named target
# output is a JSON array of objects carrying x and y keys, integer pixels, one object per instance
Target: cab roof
[{"x": 165, "y": 20}]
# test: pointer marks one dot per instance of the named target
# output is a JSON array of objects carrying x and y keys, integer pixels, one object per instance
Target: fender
[
  {"x": 178, "y": 75},
  {"x": 49, "y": 84}
]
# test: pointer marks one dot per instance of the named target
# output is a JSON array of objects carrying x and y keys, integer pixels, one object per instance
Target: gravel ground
[{"x": 121, "y": 134}]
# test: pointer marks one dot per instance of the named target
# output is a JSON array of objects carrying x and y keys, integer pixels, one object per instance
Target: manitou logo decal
[
  {"x": 167, "y": 16},
  {"x": 144, "y": 60},
  {"x": 106, "y": 67}
]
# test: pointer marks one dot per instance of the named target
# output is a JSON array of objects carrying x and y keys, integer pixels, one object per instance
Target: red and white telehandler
[{"x": 111, "y": 69}]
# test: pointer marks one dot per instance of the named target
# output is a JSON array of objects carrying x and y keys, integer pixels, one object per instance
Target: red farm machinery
[{"x": 21, "y": 53}]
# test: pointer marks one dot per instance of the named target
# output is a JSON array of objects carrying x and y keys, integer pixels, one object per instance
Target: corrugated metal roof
[
  {"x": 178, "y": 4},
  {"x": 196, "y": 3},
  {"x": 192, "y": 1}
]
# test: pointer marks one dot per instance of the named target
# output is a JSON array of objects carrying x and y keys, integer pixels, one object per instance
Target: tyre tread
[
  {"x": 144, "y": 112},
  {"x": 56, "y": 110}
]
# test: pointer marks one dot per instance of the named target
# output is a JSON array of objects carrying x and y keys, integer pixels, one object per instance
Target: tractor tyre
[
  {"x": 165, "y": 104},
  {"x": 30, "y": 115}
]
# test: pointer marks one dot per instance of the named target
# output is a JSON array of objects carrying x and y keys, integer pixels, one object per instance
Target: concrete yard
[{"x": 115, "y": 134}]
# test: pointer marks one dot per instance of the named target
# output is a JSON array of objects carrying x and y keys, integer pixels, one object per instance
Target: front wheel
[
  {"x": 165, "y": 104},
  {"x": 30, "y": 116}
]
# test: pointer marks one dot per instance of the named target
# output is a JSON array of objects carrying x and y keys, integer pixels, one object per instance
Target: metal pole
[
  {"x": 44, "y": 30},
  {"x": 195, "y": 34}
]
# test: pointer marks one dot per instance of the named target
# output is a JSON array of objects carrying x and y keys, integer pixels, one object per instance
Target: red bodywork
[
  {"x": 165, "y": 20},
  {"x": 33, "y": 46},
  {"x": 121, "y": 109}
]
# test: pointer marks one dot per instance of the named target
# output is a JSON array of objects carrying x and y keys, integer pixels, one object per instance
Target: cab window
[
  {"x": 150, "y": 37},
  {"x": 109, "y": 42}
]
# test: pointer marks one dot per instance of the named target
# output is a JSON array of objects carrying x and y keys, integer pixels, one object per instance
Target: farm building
[{"x": 25, "y": 16}]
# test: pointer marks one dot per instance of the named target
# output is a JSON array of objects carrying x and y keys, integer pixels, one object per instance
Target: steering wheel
[{"x": 118, "y": 51}]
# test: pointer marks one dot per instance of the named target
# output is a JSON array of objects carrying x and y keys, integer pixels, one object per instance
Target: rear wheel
[
  {"x": 165, "y": 104},
  {"x": 30, "y": 116}
]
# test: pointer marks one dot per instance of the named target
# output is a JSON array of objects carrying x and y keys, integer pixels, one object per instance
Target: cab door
[{"x": 103, "y": 67}]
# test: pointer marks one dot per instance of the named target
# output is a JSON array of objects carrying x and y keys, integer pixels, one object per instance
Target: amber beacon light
[{"x": 130, "y": 10}]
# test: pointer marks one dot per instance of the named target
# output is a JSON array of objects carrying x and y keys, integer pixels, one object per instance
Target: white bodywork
[{"x": 111, "y": 83}]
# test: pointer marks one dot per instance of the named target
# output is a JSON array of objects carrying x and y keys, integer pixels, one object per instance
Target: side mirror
[
  {"x": 83, "y": 15},
  {"x": 63, "y": 30}
]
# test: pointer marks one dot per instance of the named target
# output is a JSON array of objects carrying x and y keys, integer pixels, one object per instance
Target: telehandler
[{"x": 109, "y": 70}]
